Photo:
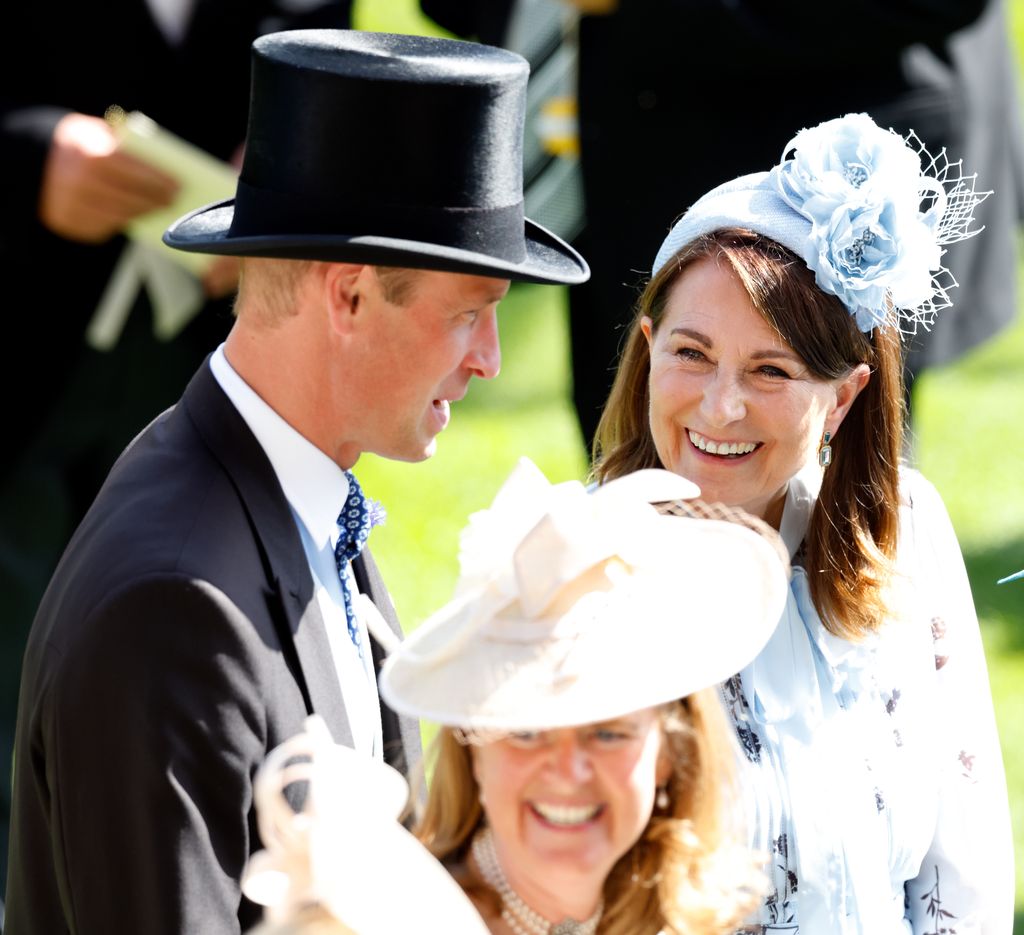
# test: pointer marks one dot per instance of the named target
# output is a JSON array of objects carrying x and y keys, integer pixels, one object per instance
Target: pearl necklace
[{"x": 517, "y": 915}]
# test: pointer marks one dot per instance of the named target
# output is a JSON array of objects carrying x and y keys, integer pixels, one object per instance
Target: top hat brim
[{"x": 548, "y": 259}]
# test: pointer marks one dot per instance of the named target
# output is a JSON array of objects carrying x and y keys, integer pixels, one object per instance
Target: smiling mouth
[
  {"x": 722, "y": 449},
  {"x": 566, "y": 816}
]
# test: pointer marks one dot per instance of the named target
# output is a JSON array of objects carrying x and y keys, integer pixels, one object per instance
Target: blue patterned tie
[{"x": 356, "y": 519}]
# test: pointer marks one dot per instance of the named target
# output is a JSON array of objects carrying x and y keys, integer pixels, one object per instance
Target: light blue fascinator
[{"x": 867, "y": 210}]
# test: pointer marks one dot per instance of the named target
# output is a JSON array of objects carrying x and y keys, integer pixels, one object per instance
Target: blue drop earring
[{"x": 825, "y": 451}]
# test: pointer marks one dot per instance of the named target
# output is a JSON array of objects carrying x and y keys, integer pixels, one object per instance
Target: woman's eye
[
  {"x": 690, "y": 353},
  {"x": 776, "y": 372},
  {"x": 525, "y": 738},
  {"x": 609, "y": 734}
]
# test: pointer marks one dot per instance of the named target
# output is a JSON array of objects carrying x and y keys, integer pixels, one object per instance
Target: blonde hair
[
  {"x": 267, "y": 287},
  {"x": 274, "y": 281},
  {"x": 398, "y": 283},
  {"x": 686, "y": 873},
  {"x": 851, "y": 537}
]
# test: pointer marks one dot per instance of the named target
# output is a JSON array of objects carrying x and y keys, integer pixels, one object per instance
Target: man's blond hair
[
  {"x": 399, "y": 284},
  {"x": 266, "y": 288}
]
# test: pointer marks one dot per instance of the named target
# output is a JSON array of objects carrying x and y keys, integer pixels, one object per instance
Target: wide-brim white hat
[
  {"x": 577, "y": 607},
  {"x": 345, "y": 850}
]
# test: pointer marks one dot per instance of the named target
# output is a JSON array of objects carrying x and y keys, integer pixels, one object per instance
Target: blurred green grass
[{"x": 969, "y": 440}]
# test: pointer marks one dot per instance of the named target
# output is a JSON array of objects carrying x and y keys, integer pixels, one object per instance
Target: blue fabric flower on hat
[
  {"x": 866, "y": 209},
  {"x": 862, "y": 189}
]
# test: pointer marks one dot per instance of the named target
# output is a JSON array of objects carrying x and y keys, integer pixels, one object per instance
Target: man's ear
[
  {"x": 848, "y": 388},
  {"x": 343, "y": 285}
]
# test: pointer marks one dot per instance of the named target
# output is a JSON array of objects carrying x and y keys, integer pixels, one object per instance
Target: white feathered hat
[{"x": 577, "y": 607}]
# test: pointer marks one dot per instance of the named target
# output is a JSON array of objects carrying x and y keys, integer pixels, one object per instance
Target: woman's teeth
[
  {"x": 566, "y": 815},
  {"x": 721, "y": 448}
]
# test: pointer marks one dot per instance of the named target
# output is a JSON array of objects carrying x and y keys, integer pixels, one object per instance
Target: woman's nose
[
  {"x": 570, "y": 761},
  {"x": 724, "y": 400}
]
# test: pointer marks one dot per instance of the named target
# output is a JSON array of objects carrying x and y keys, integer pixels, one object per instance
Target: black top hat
[{"x": 393, "y": 150}]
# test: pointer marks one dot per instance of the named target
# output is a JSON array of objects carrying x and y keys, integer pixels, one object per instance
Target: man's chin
[{"x": 409, "y": 455}]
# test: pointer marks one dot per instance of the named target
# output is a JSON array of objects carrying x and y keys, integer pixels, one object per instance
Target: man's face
[{"x": 417, "y": 356}]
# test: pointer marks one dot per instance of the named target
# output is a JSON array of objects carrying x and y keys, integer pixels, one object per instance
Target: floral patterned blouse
[{"x": 873, "y": 776}]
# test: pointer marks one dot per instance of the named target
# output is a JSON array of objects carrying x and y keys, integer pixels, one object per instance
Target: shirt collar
[
  {"x": 801, "y": 495},
  {"x": 315, "y": 486}
]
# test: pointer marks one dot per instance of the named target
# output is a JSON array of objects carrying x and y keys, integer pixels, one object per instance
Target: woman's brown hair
[
  {"x": 685, "y": 874},
  {"x": 851, "y": 539}
]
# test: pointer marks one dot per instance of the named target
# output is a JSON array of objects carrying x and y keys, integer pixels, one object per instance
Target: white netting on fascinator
[
  {"x": 961, "y": 198},
  {"x": 869, "y": 211}
]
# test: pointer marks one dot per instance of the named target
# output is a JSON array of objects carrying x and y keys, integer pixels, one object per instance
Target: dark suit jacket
[
  {"x": 76, "y": 414},
  {"x": 178, "y": 642}
]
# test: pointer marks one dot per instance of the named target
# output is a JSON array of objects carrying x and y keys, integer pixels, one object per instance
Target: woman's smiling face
[
  {"x": 732, "y": 406},
  {"x": 564, "y": 805}
]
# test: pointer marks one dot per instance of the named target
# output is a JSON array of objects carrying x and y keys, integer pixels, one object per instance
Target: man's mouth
[
  {"x": 442, "y": 413},
  {"x": 722, "y": 449}
]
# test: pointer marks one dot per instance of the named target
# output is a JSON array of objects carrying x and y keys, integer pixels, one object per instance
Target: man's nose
[
  {"x": 484, "y": 358},
  {"x": 724, "y": 400}
]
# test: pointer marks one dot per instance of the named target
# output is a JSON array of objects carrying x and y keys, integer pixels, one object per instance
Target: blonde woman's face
[
  {"x": 732, "y": 406},
  {"x": 566, "y": 804}
]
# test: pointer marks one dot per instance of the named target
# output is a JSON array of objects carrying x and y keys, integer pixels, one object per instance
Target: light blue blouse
[{"x": 873, "y": 777}]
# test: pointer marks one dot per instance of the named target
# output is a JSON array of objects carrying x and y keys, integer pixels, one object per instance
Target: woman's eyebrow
[
  {"x": 767, "y": 354},
  {"x": 697, "y": 336},
  {"x": 776, "y": 352}
]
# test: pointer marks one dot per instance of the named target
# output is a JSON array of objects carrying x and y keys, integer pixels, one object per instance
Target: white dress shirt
[{"x": 316, "y": 489}]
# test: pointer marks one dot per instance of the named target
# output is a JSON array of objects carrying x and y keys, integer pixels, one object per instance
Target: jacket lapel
[
  {"x": 402, "y": 745},
  {"x": 285, "y": 566}
]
